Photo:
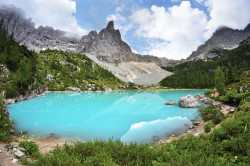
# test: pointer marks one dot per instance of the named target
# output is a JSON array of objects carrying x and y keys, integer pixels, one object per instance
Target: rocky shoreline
[{"x": 197, "y": 126}]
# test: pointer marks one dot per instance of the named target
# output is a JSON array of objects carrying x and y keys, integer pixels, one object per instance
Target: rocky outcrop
[
  {"x": 35, "y": 38},
  {"x": 223, "y": 38},
  {"x": 74, "y": 89},
  {"x": 4, "y": 72},
  {"x": 30, "y": 93},
  {"x": 108, "y": 46},
  {"x": 188, "y": 102},
  {"x": 170, "y": 102}
]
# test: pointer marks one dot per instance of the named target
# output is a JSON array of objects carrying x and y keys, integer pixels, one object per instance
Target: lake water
[{"x": 126, "y": 115}]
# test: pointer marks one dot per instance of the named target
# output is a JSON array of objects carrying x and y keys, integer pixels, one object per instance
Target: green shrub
[
  {"x": 208, "y": 92},
  {"x": 233, "y": 97},
  {"x": 211, "y": 113},
  {"x": 245, "y": 104},
  {"x": 208, "y": 126},
  {"x": 5, "y": 124},
  {"x": 31, "y": 148}
]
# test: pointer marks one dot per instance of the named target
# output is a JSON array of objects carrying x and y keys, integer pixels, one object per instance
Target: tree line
[{"x": 200, "y": 73}]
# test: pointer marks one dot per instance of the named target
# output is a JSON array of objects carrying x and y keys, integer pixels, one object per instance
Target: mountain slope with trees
[
  {"x": 23, "y": 71},
  {"x": 200, "y": 73}
]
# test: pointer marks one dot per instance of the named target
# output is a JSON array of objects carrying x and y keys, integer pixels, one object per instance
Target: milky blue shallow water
[{"x": 126, "y": 115}]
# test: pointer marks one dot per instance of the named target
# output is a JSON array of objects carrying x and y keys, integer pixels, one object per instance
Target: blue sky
[{"x": 165, "y": 28}]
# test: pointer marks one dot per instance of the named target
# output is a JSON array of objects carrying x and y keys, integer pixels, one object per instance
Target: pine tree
[
  {"x": 3, "y": 56},
  {"x": 24, "y": 72},
  {"x": 14, "y": 58},
  {"x": 219, "y": 79},
  {"x": 230, "y": 74}
]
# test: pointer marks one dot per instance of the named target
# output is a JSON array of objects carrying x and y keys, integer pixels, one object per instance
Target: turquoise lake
[{"x": 126, "y": 115}]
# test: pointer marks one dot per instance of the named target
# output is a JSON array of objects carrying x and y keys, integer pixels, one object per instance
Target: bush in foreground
[
  {"x": 5, "y": 124},
  {"x": 211, "y": 113},
  {"x": 31, "y": 148},
  {"x": 208, "y": 126}
]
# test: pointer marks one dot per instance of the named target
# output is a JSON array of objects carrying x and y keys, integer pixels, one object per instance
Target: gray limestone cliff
[
  {"x": 36, "y": 39},
  {"x": 222, "y": 38}
]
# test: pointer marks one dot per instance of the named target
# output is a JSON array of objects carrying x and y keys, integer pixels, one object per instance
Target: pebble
[
  {"x": 14, "y": 161},
  {"x": 18, "y": 153},
  {"x": 197, "y": 134},
  {"x": 196, "y": 122},
  {"x": 231, "y": 110},
  {"x": 191, "y": 126},
  {"x": 21, "y": 149}
]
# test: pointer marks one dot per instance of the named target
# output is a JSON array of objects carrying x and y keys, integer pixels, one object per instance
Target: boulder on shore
[
  {"x": 74, "y": 89},
  {"x": 206, "y": 100},
  {"x": 188, "y": 102},
  {"x": 198, "y": 96},
  {"x": 170, "y": 102}
]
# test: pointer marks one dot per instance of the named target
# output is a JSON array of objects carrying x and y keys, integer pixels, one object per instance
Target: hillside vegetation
[
  {"x": 59, "y": 70},
  {"x": 18, "y": 66},
  {"x": 23, "y": 70},
  {"x": 200, "y": 74}
]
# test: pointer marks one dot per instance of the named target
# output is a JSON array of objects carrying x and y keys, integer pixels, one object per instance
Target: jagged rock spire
[{"x": 110, "y": 26}]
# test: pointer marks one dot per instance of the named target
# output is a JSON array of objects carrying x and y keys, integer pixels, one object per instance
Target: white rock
[
  {"x": 18, "y": 153},
  {"x": 74, "y": 89},
  {"x": 14, "y": 161},
  {"x": 197, "y": 134},
  {"x": 206, "y": 100},
  {"x": 21, "y": 149},
  {"x": 171, "y": 102},
  {"x": 188, "y": 102},
  {"x": 198, "y": 96},
  {"x": 196, "y": 122},
  {"x": 231, "y": 110},
  {"x": 9, "y": 101}
]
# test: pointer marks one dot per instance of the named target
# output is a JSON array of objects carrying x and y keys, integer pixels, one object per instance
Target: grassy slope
[{"x": 74, "y": 70}]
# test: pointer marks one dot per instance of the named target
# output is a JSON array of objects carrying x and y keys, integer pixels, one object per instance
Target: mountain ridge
[
  {"x": 222, "y": 38},
  {"x": 106, "y": 47}
]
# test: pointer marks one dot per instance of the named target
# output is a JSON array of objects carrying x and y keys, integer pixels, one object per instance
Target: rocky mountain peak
[
  {"x": 247, "y": 27},
  {"x": 92, "y": 33},
  {"x": 106, "y": 47},
  {"x": 110, "y": 26},
  {"x": 222, "y": 38}
]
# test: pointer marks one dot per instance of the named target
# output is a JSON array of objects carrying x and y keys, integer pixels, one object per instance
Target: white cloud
[
  {"x": 55, "y": 13},
  {"x": 180, "y": 29},
  {"x": 231, "y": 13},
  {"x": 120, "y": 8},
  {"x": 177, "y": 31}
]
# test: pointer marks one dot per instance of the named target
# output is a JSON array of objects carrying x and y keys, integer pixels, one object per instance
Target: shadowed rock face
[
  {"x": 34, "y": 38},
  {"x": 107, "y": 45},
  {"x": 223, "y": 38}
]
